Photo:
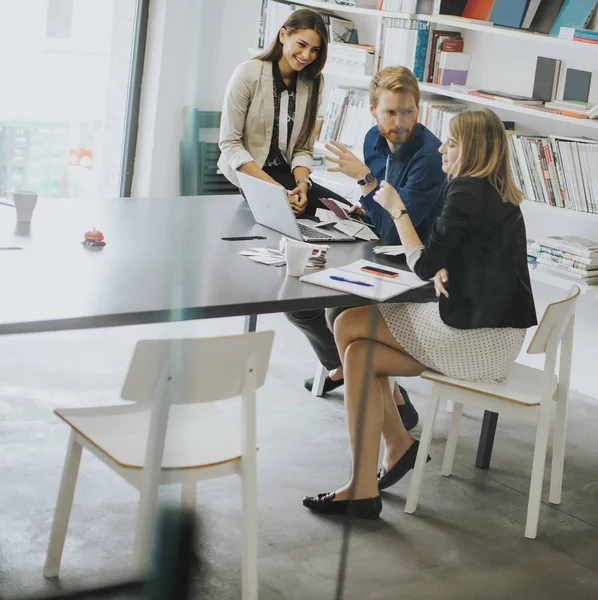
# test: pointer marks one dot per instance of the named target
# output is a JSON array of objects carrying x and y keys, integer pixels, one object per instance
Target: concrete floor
[{"x": 465, "y": 541}]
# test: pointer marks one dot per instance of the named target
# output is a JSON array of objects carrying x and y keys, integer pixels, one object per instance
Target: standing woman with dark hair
[{"x": 270, "y": 110}]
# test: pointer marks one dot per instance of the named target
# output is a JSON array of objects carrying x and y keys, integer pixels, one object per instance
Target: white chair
[
  {"x": 173, "y": 434},
  {"x": 527, "y": 393}
]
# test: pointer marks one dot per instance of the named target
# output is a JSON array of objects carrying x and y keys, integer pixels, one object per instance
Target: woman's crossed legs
[{"x": 370, "y": 355}]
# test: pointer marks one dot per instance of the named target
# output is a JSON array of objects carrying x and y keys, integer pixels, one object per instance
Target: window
[{"x": 65, "y": 77}]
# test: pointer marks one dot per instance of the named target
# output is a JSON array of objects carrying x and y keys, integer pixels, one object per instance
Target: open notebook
[{"x": 352, "y": 279}]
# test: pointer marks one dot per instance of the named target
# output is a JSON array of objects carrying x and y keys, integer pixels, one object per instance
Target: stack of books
[
  {"x": 352, "y": 59},
  {"x": 572, "y": 108},
  {"x": 579, "y": 35},
  {"x": 568, "y": 256}
]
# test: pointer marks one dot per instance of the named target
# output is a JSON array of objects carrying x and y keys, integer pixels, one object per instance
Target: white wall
[{"x": 192, "y": 48}]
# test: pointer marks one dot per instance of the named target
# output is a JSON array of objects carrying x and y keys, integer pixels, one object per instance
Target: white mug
[
  {"x": 297, "y": 254},
  {"x": 24, "y": 202}
]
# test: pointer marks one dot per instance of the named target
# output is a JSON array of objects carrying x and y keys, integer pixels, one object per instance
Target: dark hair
[{"x": 304, "y": 19}]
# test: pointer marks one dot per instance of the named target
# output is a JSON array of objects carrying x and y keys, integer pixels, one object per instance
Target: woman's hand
[
  {"x": 388, "y": 198},
  {"x": 439, "y": 280},
  {"x": 298, "y": 199}
]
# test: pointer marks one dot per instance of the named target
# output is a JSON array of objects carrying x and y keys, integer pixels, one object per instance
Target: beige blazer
[{"x": 247, "y": 116}]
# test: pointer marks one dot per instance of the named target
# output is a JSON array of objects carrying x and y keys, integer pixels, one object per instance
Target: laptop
[{"x": 270, "y": 207}]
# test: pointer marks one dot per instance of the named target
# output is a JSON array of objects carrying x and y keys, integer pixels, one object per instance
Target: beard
[{"x": 395, "y": 136}]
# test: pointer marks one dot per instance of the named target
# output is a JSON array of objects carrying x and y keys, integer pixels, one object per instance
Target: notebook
[{"x": 354, "y": 281}]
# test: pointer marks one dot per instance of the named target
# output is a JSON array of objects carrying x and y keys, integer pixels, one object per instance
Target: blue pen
[{"x": 337, "y": 278}]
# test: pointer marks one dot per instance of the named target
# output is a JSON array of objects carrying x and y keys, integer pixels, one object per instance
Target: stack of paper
[{"x": 389, "y": 250}]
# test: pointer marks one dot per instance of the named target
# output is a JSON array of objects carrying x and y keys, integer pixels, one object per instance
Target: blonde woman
[
  {"x": 476, "y": 255},
  {"x": 270, "y": 109}
]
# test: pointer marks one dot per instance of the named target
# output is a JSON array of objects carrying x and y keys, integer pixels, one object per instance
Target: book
[
  {"x": 478, "y": 9},
  {"x": 546, "y": 16},
  {"x": 570, "y": 276},
  {"x": 340, "y": 30},
  {"x": 505, "y": 97},
  {"x": 568, "y": 264},
  {"x": 546, "y": 79},
  {"x": 378, "y": 288},
  {"x": 565, "y": 257},
  {"x": 573, "y": 13},
  {"x": 530, "y": 13},
  {"x": 577, "y": 85},
  {"x": 453, "y": 68},
  {"x": 509, "y": 13},
  {"x": 445, "y": 45},
  {"x": 572, "y": 244}
]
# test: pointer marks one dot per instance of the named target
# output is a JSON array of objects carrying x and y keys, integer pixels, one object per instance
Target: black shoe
[
  {"x": 367, "y": 508},
  {"x": 407, "y": 411},
  {"x": 403, "y": 466},
  {"x": 329, "y": 385}
]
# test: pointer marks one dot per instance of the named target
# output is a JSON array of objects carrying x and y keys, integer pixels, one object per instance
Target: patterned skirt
[{"x": 473, "y": 354}]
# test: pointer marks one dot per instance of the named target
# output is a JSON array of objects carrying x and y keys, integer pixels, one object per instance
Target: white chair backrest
[
  {"x": 201, "y": 369},
  {"x": 554, "y": 321}
]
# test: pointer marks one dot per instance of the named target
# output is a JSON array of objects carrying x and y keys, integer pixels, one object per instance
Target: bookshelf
[
  {"x": 502, "y": 59},
  {"x": 449, "y": 21}
]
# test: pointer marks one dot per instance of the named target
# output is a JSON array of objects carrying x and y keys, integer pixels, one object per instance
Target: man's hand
[
  {"x": 387, "y": 197},
  {"x": 439, "y": 280},
  {"x": 346, "y": 162},
  {"x": 357, "y": 210},
  {"x": 298, "y": 199}
]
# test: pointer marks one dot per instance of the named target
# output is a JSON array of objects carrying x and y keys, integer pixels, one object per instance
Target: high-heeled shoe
[
  {"x": 403, "y": 466},
  {"x": 367, "y": 508}
]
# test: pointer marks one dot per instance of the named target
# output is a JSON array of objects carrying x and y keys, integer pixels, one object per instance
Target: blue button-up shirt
[{"x": 415, "y": 171}]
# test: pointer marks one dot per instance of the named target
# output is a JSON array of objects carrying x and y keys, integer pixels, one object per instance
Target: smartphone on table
[{"x": 379, "y": 271}]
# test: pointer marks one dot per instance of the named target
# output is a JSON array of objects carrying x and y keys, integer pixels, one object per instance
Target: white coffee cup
[
  {"x": 24, "y": 202},
  {"x": 297, "y": 254}
]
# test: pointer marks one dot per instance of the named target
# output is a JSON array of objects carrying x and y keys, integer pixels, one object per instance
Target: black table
[{"x": 165, "y": 260}]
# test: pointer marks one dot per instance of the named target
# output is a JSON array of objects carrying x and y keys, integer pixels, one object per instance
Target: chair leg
[
  {"x": 539, "y": 462},
  {"x": 558, "y": 453},
  {"x": 424, "y": 448},
  {"x": 250, "y": 533},
  {"x": 451, "y": 441},
  {"x": 146, "y": 517},
  {"x": 319, "y": 380},
  {"x": 64, "y": 504},
  {"x": 189, "y": 496}
]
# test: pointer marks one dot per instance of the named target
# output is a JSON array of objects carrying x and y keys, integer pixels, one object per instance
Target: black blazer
[{"x": 480, "y": 240}]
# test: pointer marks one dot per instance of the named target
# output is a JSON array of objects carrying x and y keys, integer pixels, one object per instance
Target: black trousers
[
  {"x": 317, "y": 191},
  {"x": 315, "y": 324}
]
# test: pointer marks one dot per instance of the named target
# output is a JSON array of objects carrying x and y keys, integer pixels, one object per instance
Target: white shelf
[
  {"x": 331, "y": 71},
  {"x": 457, "y": 22},
  {"x": 444, "y": 90},
  {"x": 540, "y": 208},
  {"x": 355, "y": 10}
]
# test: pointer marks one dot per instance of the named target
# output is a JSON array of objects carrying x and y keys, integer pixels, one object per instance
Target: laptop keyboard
[{"x": 313, "y": 233}]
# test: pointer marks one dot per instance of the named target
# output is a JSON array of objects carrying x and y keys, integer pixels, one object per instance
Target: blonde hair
[
  {"x": 484, "y": 151},
  {"x": 394, "y": 79}
]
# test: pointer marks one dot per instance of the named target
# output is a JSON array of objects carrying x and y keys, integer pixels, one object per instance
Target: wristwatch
[
  {"x": 367, "y": 179},
  {"x": 305, "y": 180},
  {"x": 397, "y": 213}
]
